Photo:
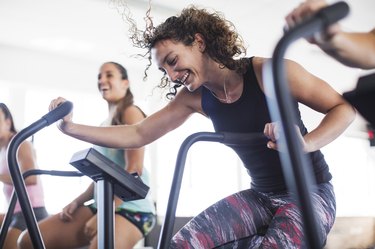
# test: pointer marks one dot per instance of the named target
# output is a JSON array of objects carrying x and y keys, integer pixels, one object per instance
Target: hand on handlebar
[
  {"x": 306, "y": 10},
  {"x": 67, "y": 119},
  {"x": 272, "y": 131}
]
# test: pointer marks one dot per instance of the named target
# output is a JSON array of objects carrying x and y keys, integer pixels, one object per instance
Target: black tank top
[{"x": 249, "y": 114}]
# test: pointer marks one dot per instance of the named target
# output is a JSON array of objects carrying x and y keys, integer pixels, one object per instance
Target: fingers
[
  {"x": 271, "y": 130},
  {"x": 55, "y": 103},
  {"x": 303, "y": 11},
  {"x": 67, "y": 212},
  {"x": 65, "y": 216},
  {"x": 295, "y": 16},
  {"x": 272, "y": 145},
  {"x": 68, "y": 118}
]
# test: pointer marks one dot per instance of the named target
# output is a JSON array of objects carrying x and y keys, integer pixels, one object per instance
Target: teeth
[{"x": 184, "y": 78}]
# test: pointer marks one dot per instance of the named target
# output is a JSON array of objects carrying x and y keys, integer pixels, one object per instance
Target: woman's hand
[
  {"x": 67, "y": 119},
  {"x": 307, "y": 9},
  {"x": 67, "y": 212},
  {"x": 272, "y": 131}
]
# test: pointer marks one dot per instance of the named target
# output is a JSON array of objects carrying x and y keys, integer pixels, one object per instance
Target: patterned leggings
[{"x": 251, "y": 219}]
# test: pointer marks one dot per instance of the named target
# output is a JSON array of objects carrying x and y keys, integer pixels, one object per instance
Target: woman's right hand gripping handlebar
[{"x": 62, "y": 124}]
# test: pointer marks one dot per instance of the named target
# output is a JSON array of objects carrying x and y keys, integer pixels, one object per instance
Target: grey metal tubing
[
  {"x": 8, "y": 216},
  {"x": 18, "y": 181},
  {"x": 225, "y": 138},
  {"x": 296, "y": 166}
]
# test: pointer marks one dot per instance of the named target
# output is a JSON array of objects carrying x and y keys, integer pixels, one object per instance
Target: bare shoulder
[
  {"x": 191, "y": 101},
  {"x": 132, "y": 114},
  {"x": 26, "y": 145},
  {"x": 258, "y": 62},
  {"x": 26, "y": 148},
  {"x": 133, "y": 110}
]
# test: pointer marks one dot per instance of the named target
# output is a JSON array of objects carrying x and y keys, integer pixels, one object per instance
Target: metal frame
[{"x": 8, "y": 216}]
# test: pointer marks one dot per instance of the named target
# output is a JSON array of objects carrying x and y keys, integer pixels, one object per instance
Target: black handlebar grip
[
  {"x": 244, "y": 138},
  {"x": 58, "y": 113},
  {"x": 333, "y": 13}
]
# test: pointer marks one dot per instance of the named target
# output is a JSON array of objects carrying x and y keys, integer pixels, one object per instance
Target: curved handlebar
[
  {"x": 18, "y": 181},
  {"x": 230, "y": 138},
  {"x": 318, "y": 22},
  {"x": 295, "y": 163},
  {"x": 227, "y": 138},
  {"x": 60, "y": 111},
  {"x": 7, "y": 219},
  {"x": 332, "y": 13}
]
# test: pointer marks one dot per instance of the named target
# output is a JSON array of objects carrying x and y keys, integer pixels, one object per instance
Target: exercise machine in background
[
  {"x": 13, "y": 201},
  {"x": 110, "y": 179}
]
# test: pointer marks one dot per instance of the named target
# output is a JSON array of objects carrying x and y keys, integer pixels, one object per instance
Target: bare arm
[
  {"x": 87, "y": 195},
  {"x": 321, "y": 97},
  {"x": 67, "y": 212},
  {"x": 354, "y": 49},
  {"x": 136, "y": 135},
  {"x": 26, "y": 161},
  {"x": 6, "y": 179}
]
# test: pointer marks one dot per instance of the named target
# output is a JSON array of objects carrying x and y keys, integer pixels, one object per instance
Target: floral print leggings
[{"x": 251, "y": 219}]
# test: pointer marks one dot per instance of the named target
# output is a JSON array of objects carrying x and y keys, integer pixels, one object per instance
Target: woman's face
[
  {"x": 110, "y": 83},
  {"x": 183, "y": 64}
]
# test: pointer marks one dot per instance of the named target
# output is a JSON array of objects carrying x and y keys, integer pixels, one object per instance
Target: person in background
[
  {"x": 354, "y": 49},
  {"x": 76, "y": 225},
  {"x": 202, "y": 58},
  {"x": 26, "y": 157}
]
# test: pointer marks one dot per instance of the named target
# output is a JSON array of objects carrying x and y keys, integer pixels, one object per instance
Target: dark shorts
[
  {"x": 18, "y": 221},
  {"x": 143, "y": 221}
]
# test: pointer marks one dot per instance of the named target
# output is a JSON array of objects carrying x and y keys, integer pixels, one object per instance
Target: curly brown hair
[{"x": 223, "y": 43}]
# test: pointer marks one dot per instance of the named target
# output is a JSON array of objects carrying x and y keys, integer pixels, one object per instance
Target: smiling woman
[
  {"x": 203, "y": 50},
  {"x": 31, "y": 76},
  {"x": 133, "y": 219}
]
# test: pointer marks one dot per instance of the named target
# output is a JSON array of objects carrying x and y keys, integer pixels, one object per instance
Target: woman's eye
[{"x": 172, "y": 61}]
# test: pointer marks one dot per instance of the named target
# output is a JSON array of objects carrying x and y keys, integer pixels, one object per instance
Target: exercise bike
[{"x": 109, "y": 178}]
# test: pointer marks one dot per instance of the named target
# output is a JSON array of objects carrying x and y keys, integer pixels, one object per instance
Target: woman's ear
[
  {"x": 201, "y": 43},
  {"x": 125, "y": 83}
]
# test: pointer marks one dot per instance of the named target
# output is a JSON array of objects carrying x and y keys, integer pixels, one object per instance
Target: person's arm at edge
[{"x": 354, "y": 49}]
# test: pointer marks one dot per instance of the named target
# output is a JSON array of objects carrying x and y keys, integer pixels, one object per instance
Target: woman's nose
[
  {"x": 100, "y": 83},
  {"x": 173, "y": 76}
]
